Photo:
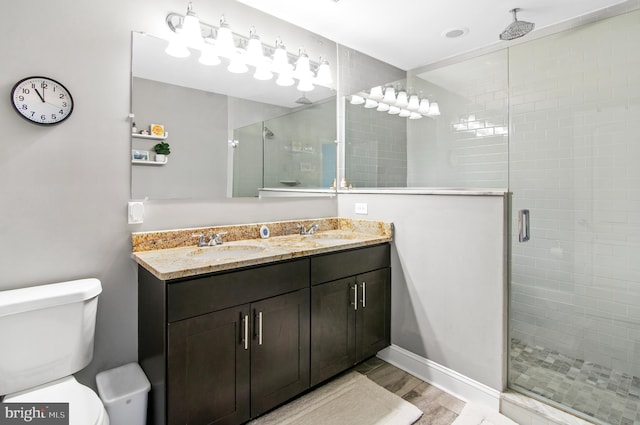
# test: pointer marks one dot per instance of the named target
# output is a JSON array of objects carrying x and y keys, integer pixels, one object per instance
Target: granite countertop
[{"x": 174, "y": 254}]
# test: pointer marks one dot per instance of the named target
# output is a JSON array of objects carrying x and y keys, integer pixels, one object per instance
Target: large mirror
[
  {"x": 229, "y": 134},
  {"x": 445, "y": 127}
]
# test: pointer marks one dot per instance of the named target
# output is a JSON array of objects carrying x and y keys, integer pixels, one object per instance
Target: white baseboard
[{"x": 448, "y": 380}]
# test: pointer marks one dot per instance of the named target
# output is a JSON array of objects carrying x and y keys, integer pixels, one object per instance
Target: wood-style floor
[{"x": 439, "y": 407}]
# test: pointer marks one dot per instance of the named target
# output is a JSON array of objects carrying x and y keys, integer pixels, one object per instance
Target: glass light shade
[
  {"x": 376, "y": 93},
  {"x": 280, "y": 60},
  {"x": 393, "y": 110},
  {"x": 401, "y": 100},
  {"x": 356, "y": 100},
  {"x": 389, "y": 96},
  {"x": 404, "y": 113},
  {"x": 434, "y": 109},
  {"x": 177, "y": 49},
  {"x": 370, "y": 103},
  {"x": 415, "y": 116},
  {"x": 263, "y": 72},
  {"x": 255, "y": 54},
  {"x": 305, "y": 85},
  {"x": 208, "y": 55},
  {"x": 382, "y": 107},
  {"x": 284, "y": 78},
  {"x": 224, "y": 44},
  {"x": 191, "y": 33},
  {"x": 414, "y": 103},
  {"x": 237, "y": 65},
  {"x": 324, "y": 74},
  {"x": 424, "y": 106},
  {"x": 303, "y": 70}
]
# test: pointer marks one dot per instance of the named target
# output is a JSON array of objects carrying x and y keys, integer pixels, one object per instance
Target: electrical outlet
[{"x": 361, "y": 208}]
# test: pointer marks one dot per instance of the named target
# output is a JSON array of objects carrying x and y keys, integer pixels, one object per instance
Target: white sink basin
[
  {"x": 330, "y": 238},
  {"x": 219, "y": 252}
]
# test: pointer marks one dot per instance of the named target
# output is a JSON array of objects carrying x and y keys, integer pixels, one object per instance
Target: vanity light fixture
[
  {"x": 241, "y": 51},
  {"x": 413, "y": 107}
]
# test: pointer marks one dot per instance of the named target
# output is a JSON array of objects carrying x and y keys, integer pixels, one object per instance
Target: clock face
[{"x": 41, "y": 100}]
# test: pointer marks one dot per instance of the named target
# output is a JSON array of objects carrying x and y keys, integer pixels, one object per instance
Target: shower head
[
  {"x": 268, "y": 133},
  {"x": 303, "y": 100},
  {"x": 517, "y": 28}
]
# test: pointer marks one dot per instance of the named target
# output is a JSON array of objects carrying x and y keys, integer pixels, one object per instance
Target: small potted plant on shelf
[{"x": 162, "y": 150}]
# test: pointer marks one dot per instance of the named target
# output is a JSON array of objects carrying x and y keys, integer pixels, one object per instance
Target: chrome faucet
[
  {"x": 215, "y": 239},
  {"x": 310, "y": 231}
]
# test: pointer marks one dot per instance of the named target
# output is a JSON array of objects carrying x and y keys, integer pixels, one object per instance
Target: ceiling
[{"x": 408, "y": 33}]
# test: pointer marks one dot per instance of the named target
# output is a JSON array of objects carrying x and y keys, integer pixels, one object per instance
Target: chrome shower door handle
[{"x": 523, "y": 226}]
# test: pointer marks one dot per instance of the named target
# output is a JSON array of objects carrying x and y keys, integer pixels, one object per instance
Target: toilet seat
[{"x": 85, "y": 408}]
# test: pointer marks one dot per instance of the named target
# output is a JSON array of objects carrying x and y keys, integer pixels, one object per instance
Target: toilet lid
[{"x": 85, "y": 408}]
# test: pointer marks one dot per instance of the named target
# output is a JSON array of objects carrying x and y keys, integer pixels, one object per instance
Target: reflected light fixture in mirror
[
  {"x": 403, "y": 105},
  {"x": 242, "y": 51}
]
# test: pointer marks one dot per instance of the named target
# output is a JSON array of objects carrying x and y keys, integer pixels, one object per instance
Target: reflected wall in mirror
[
  {"x": 230, "y": 134},
  {"x": 466, "y": 145}
]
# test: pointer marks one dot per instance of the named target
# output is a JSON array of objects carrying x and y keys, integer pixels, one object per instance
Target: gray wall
[{"x": 65, "y": 188}]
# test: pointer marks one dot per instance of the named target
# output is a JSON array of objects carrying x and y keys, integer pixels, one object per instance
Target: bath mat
[
  {"x": 352, "y": 399},
  {"x": 477, "y": 414}
]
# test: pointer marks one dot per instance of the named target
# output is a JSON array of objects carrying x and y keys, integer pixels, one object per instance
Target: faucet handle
[
  {"x": 201, "y": 241},
  {"x": 217, "y": 237}
]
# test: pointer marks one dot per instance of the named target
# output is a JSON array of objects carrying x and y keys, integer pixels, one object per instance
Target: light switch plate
[
  {"x": 136, "y": 212},
  {"x": 361, "y": 208}
]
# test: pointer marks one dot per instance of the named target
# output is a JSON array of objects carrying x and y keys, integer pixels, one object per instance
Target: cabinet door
[
  {"x": 373, "y": 318},
  {"x": 333, "y": 337},
  {"x": 279, "y": 350},
  {"x": 208, "y": 368}
]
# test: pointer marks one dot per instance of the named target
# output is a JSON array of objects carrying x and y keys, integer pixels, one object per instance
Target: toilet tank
[{"x": 47, "y": 332}]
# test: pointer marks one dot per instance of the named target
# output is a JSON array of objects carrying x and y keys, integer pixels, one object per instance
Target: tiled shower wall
[{"x": 575, "y": 164}]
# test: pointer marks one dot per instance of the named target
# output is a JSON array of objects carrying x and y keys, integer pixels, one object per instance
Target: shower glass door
[{"x": 574, "y": 143}]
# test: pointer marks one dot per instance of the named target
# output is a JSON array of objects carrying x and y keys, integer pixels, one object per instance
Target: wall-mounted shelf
[
  {"x": 149, "y": 136},
  {"x": 145, "y": 162}
]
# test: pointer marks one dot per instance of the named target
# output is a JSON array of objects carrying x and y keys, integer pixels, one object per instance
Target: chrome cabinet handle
[
  {"x": 260, "y": 328},
  {"x": 245, "y": 336},
  {"x": 523, "y": 226},
  {"x": 364, "y": 294},
  {"x": 355, "y": 296}
]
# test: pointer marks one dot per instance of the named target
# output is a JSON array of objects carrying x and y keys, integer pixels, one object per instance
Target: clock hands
[{"x": 41, "y": 96}]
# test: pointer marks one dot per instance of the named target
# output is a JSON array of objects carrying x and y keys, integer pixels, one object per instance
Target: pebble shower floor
[{"x": 606, "y": 395}]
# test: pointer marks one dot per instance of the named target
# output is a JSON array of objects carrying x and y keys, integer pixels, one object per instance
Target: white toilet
[{"x": 47, "y": 334}]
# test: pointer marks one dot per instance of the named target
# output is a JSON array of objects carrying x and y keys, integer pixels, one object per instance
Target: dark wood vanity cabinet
[
  {"x": 225, "y": 347},
  {"x": 350, "y": 309}
]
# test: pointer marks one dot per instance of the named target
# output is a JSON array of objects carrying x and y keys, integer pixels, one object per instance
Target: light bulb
[
  {"x": 356, "y": 100},
  {"x": 191, "y": 33},
  {"x": 323, "y": 76},
  {"x": 393, "y": 110},
  {"x": 263, "y": 72},
  {"x": 303, "y": 69},
  {"x": 255, "y": 55},
  {"x": 424, "y": 106},
  {"x": 414, "y": 103},
  {"x": 401, "y": 100},
  {"x": 224, "y": 43},
  {"x": 305, "y": 85},
  {"x": 177, "y": 49},
  {"x": 434, "y": 109},
  {"x": 415, "y": 116},
  {"x": 382, "y": 107},
  {"x": 376, "y": 93},
  {"x": 389, "y": 95},
  {"x": 370, "y": 103},
  {"x": 280, "y": 58}
]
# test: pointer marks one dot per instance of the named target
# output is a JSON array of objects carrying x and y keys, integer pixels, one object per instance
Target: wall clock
[{"x": 42, "y": 100}]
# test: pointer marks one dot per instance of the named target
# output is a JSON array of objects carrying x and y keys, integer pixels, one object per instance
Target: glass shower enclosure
[{"x": 574, "y": 164}]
